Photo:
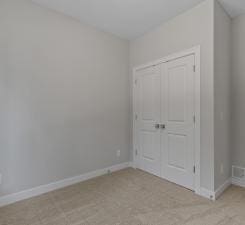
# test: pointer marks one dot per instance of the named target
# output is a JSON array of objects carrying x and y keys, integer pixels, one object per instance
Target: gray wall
[
  {"x": 194, "y": 27},
  {"x": 222, "y": 96},
  {"x": 238, "y": 91},
  {"x": 65, "y": 92},
  {"x": 3, "y": 91},
  {"x": 64, "y": 97}
]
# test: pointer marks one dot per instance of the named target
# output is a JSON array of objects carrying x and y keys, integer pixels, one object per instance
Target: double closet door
[{"x": 165, "y": 120}]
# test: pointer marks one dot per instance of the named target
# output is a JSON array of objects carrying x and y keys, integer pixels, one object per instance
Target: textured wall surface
[
  {"x": 238, "y": 91},
  {"x": 65, "y": 92},
  {"x": 222, "y": 96}
]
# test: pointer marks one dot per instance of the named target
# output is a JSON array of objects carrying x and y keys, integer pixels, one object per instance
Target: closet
[{"x": 164, "y": 123}]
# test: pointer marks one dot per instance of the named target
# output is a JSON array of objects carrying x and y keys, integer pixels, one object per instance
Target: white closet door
[
  {"x": 149, "y": 81},
  {"x": 177, "y": 116}
]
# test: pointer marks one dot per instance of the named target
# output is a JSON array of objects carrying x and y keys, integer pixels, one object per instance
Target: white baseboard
[
  {"x": 132, "y": 164},
  {"x": 222, "y": 188},
  {"x": 12, "y": 198},
  {"x": 214, "y": 195},
  {"x": 206, "y": 193},
  {"x": 238, "y": 182}
]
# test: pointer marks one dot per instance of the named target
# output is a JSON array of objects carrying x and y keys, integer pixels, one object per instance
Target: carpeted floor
[{"x": 127, "y": 197}]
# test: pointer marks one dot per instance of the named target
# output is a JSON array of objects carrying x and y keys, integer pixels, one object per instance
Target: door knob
[
  {"x": 157, "y": 126},
  {"x": 163, "y": 126}
]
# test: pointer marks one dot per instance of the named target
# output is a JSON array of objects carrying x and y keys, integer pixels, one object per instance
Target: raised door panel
[
  {"x": 177, "y": 107},
  {"x": 149, "y": 117}
]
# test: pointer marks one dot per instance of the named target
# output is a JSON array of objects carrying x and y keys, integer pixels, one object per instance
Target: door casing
[{"x": 197, "y": 105}]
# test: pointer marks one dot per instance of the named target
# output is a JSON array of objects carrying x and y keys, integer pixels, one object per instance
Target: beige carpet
[{"x": 127, "y": 197}]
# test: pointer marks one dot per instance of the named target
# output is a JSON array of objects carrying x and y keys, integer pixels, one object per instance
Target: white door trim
[{"x": 192, "y": 51}]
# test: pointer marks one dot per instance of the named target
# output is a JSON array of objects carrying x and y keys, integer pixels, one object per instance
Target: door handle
[
  {"x": 157, "y": 126},
  {"x": 163, "y": 126}
]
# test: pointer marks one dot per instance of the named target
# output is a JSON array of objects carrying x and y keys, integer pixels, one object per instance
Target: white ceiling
[
  {"x": 130, "y": 18},
  {"x": 234, "y": 7}
]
